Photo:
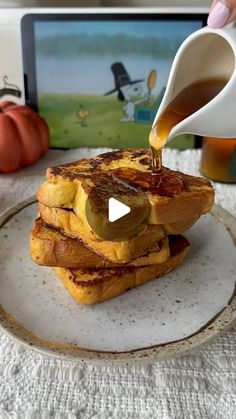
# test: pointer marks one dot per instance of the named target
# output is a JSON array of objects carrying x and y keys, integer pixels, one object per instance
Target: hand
[{"x": 221, "y": 13}]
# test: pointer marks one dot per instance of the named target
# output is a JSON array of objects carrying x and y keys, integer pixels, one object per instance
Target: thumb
[{"x": 221, "y": 13}]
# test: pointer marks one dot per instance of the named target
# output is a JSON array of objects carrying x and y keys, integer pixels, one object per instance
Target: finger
[{"x": 221, "y": 13}]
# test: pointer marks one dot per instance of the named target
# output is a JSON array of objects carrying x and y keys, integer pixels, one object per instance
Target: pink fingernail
[{"x": 218, "y": 16}]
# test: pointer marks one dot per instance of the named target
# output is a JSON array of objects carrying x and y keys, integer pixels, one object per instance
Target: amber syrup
[{"x": 188, "y": 101}]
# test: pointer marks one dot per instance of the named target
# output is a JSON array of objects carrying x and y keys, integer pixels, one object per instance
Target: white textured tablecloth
[{"x": 199, "y": 385}]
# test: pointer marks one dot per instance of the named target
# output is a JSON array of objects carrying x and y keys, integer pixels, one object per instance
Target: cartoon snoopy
[{"x": 127, "y": 90}]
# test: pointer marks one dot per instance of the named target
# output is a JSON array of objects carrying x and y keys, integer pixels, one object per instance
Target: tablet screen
[{"x": 100, "y": 82}]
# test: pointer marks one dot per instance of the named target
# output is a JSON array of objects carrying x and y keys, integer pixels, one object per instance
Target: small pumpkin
[{"x": 24, "y": 136}]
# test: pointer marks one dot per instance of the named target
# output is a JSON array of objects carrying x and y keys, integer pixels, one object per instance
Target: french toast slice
[
  {"x": 49, "y": 247},
  {"x": 88, "y": 286},
  {"x": 123, "y": 251},
  {"x": 171, "y": 199}
]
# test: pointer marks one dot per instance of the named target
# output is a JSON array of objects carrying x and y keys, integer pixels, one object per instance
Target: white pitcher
[{"x": 206, "y": 54}]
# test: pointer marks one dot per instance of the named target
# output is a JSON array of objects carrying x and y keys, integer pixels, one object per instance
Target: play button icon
[
  {"x": 117, "y": 210},
  {"x": 114, "y": 209}
]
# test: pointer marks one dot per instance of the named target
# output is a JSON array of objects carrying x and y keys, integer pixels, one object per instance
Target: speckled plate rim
[{"x": 221, "y": 321}]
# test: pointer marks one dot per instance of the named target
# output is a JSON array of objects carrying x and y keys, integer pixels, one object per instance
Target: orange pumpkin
[{"x": 24, "y": 136}]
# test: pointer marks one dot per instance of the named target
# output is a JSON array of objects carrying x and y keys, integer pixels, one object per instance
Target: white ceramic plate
[{"x": 160, "y": 319}]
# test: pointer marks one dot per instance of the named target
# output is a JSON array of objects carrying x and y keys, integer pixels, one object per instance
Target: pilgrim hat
[{"x": 121, "y": 77}]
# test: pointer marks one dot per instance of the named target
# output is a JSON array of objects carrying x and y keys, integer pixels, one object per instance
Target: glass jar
[{"x": 218, "y": 160}]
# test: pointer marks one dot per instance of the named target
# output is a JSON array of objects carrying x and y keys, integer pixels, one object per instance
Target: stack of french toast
[{"x": 97, "y": 259}]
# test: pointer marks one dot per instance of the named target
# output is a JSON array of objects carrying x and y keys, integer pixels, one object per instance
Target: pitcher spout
[{"x": 206, "y": 58}]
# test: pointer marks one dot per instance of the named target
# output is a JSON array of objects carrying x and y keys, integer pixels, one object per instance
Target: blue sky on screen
[
  {"x": 91, "y": 73},
  {"x": 134, "y": 28}
]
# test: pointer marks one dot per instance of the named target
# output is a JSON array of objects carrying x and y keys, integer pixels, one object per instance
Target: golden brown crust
[
  {"x": 49, "y": 247},
  {"x": 139, "y": 158},
  {"x": 94, "y": 269},
  {"x": 96, "y": 286},
  {"x": 114, "y": 251},
  {"x": 126, "y": 174}
]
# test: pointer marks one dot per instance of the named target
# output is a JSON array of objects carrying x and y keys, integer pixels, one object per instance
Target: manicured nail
[{"x": 218, "y": 16}]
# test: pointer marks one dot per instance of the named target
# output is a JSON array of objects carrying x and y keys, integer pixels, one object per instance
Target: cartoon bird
[
  {"x": 151, "y": 83},
  {"x": 82, "y": 114}
]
